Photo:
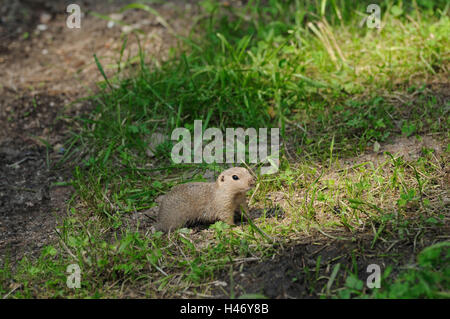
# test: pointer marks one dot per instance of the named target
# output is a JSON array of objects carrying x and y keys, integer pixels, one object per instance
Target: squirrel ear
[{"x": 222, "y": 178}]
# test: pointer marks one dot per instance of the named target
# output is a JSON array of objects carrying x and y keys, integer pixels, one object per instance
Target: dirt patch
[
  {"x": 52, "y": 58},
  {"x": 409, "y": 148},
  {"x": 31, "y": 142},
  {"x": 29, "y": 204},
  {"x": 296, "y": 273}
]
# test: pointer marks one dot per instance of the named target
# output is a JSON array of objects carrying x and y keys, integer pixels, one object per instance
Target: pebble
[{"x": 42, "y": 27}]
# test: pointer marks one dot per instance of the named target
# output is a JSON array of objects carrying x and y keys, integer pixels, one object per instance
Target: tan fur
[{"x": 207, "y": 202}]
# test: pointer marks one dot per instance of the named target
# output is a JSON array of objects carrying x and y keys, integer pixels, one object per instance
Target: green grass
[{"x": 335, "y": 89}]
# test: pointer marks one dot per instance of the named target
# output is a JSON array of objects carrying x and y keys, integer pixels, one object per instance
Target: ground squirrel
[{"x": 206, "y": 202}]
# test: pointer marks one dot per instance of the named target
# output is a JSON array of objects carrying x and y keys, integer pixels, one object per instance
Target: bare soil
[{"x": 292, "y": 273}]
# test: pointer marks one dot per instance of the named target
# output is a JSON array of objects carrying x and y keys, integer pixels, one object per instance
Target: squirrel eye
[{"x": 235, "y": 177}]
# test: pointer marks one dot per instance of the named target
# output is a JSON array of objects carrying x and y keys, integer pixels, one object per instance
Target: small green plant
[{"x": 430, "y": 278}]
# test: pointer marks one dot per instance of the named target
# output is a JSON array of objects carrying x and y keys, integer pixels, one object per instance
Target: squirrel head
[{"x": 238, "y": 179}]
